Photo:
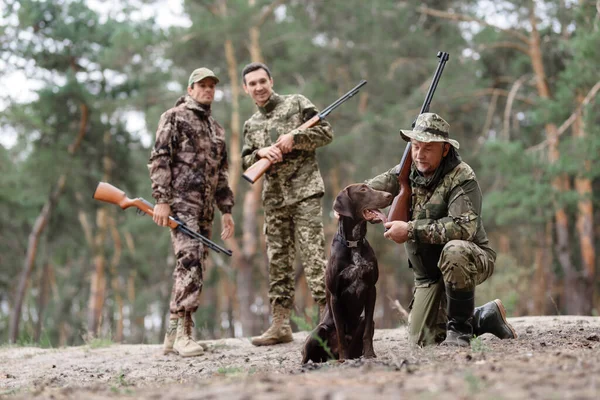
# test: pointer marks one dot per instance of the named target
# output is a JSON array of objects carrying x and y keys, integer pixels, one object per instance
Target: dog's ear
[{"x": 343, "y": 204}]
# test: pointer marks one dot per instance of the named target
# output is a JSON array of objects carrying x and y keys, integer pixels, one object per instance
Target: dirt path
[{"x": 554, "y": 358}]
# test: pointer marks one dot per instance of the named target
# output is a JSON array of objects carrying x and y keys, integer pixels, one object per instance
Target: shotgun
[
  {"x": 400, "y": 208},
  {"x": 113, "y": 195},
  {"x": 257, "y": 169}
]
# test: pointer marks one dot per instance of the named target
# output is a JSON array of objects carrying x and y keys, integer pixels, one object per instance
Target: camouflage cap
[
  {"x": 430, "y": 127},
  {"x": 201, "y": 73}
]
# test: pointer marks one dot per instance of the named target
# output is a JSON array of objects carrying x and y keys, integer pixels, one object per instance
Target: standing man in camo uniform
[
  {"x": 292, "y": 193},
  {"x": 188, "y": 168},
  {"x": 446, "y": 243}
]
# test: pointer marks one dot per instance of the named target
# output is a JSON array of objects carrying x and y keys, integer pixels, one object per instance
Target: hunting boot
[
  {"x": 491, "y": 318},
  {"x": 461, "y": 305},
  {"x": 184, "y": 343},
  {"x": 170, "y": 335},
  {"x": 280, "y": 330}
]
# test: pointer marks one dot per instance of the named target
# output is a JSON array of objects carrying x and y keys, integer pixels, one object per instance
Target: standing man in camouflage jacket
[
  {"x": 446, "y": 243},
  {"x": 292, "y": 193},
  {"x": 188, "y": 168}
]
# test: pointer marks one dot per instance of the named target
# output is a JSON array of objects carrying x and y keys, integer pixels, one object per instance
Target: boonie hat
[{"x": 430, "y": 127}]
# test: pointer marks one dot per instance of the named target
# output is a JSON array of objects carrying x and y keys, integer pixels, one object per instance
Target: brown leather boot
[
  {"x": 280, "y": 330},
  {"x": 170, "y": 335},
  {"x": 491, "y": 318},
  {"x": 184, "y": 343}
]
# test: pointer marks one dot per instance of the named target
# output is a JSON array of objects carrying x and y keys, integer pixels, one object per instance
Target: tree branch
[
  {"x": 268, "y": 11},
  {"x": 467, "y": 18},
  {"x": 504, "y": 45},
  {"x": 569, "y": 121},
  {"x": 491, "y": 91}
]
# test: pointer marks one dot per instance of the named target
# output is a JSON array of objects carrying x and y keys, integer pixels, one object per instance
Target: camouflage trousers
[
  {"x": 190, "y": 257},
  {"x": 302, "y": 221},
  {"x": 464, "y": 265}
]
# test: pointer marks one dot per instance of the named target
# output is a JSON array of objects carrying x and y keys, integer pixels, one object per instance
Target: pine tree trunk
[
  {"x": 115, "y": 282},
  {"x": 42, "y": 301},
  {"x": 560, "y": 183},
  {"x": 98, "y": 281},
  {"x": 585, "y": 230}
]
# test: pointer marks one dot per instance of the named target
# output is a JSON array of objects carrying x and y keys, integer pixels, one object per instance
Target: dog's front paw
[{"x": 370, "y": 354}]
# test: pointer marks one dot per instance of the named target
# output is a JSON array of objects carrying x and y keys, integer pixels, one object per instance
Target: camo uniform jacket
[
  {"x": 298, "y": 176},
  {"x": 188, "y": 165},
  {"x": 449, "y": 211}
]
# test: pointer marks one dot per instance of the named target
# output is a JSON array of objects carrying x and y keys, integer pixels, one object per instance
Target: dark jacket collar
[
  {"x": 192, "y": 104},
  {"x": 270, "y": 105}
]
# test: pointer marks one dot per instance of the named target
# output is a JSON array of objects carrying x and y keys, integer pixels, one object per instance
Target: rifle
[
  {"x": 257, "y": 169},
  {"x": 401, "y": 205},
  {"x": 110, "y": 194}
]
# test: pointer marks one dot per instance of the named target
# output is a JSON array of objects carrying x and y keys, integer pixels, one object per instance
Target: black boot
[
  {"x": 491, "y": 318},
  {"x": 461, "y": 304}
]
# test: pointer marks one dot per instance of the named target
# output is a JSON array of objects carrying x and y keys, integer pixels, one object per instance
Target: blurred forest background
[{"x": 520, "y": 92}]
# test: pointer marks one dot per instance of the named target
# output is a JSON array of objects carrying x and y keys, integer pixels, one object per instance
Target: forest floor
[{"x": 553, "y": 358}]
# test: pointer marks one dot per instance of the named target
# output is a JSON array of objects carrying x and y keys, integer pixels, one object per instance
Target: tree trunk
[
  {"x": 98, "y": 281},
  {"x": 115, "y": 281},
  {"x": 585, "y": 229},
  {"x": 42, "y": 301},
  {"x": 560, "y": 183}
]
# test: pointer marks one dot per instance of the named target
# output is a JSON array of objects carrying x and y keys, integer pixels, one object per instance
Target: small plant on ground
[{"x": 477, "y": 345}]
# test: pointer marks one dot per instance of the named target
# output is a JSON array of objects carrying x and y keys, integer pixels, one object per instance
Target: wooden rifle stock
[
  {"x": 256, "y": 170},
  {"x": 401, "y": 205},
  {"x": 113, "y": 195},
  {"x": 400, "y": 208}
]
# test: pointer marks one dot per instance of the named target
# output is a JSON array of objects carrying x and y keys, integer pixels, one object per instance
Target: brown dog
[{"x": 350, "y": 279}]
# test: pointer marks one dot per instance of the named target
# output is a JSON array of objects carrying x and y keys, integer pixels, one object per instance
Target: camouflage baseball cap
[
  {"x": 200, "y": 74},
  {"x": 430, "y": 127}
]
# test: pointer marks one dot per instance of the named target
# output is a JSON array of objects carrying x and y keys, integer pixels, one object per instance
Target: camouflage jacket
[
  {"x": 450, "y": 210},
  {"x": 298, "y": 176},
  {"x": 188, "y": 164}
]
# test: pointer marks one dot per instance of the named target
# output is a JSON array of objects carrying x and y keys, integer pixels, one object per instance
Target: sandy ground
[{"x": 554, "y": 358}]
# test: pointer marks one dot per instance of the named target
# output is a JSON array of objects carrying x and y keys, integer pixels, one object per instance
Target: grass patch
[
  {"x": 477, "y": 345},
  {"x": 230, "y": 370},
  {"x": 302, "y": 323},
  {"x": 97, "y": 343}
]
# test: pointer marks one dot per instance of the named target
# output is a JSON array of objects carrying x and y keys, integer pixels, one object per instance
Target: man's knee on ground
[{"x": 456, "y": 265}]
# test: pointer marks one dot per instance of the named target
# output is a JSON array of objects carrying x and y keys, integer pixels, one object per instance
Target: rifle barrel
[{"x": 342, "y": 99}]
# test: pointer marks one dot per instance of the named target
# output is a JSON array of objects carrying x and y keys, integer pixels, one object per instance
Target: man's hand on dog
[{"x": 396, "y": 231}]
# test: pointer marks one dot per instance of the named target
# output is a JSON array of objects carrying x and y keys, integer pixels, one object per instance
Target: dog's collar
[{"x": 351, "y": 243}]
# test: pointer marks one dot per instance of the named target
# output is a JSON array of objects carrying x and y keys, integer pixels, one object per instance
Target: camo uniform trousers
[
  {"x": 464, "y": 265},
  {"x": 190, "y": 257},
  {"x": 302, "y": 221}
]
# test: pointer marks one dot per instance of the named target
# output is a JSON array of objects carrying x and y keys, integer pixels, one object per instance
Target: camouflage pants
[
  {"x": 464, "y": 265},
  {"x": 302, "y": 221},
  {"x": 190, "y": 257}
]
